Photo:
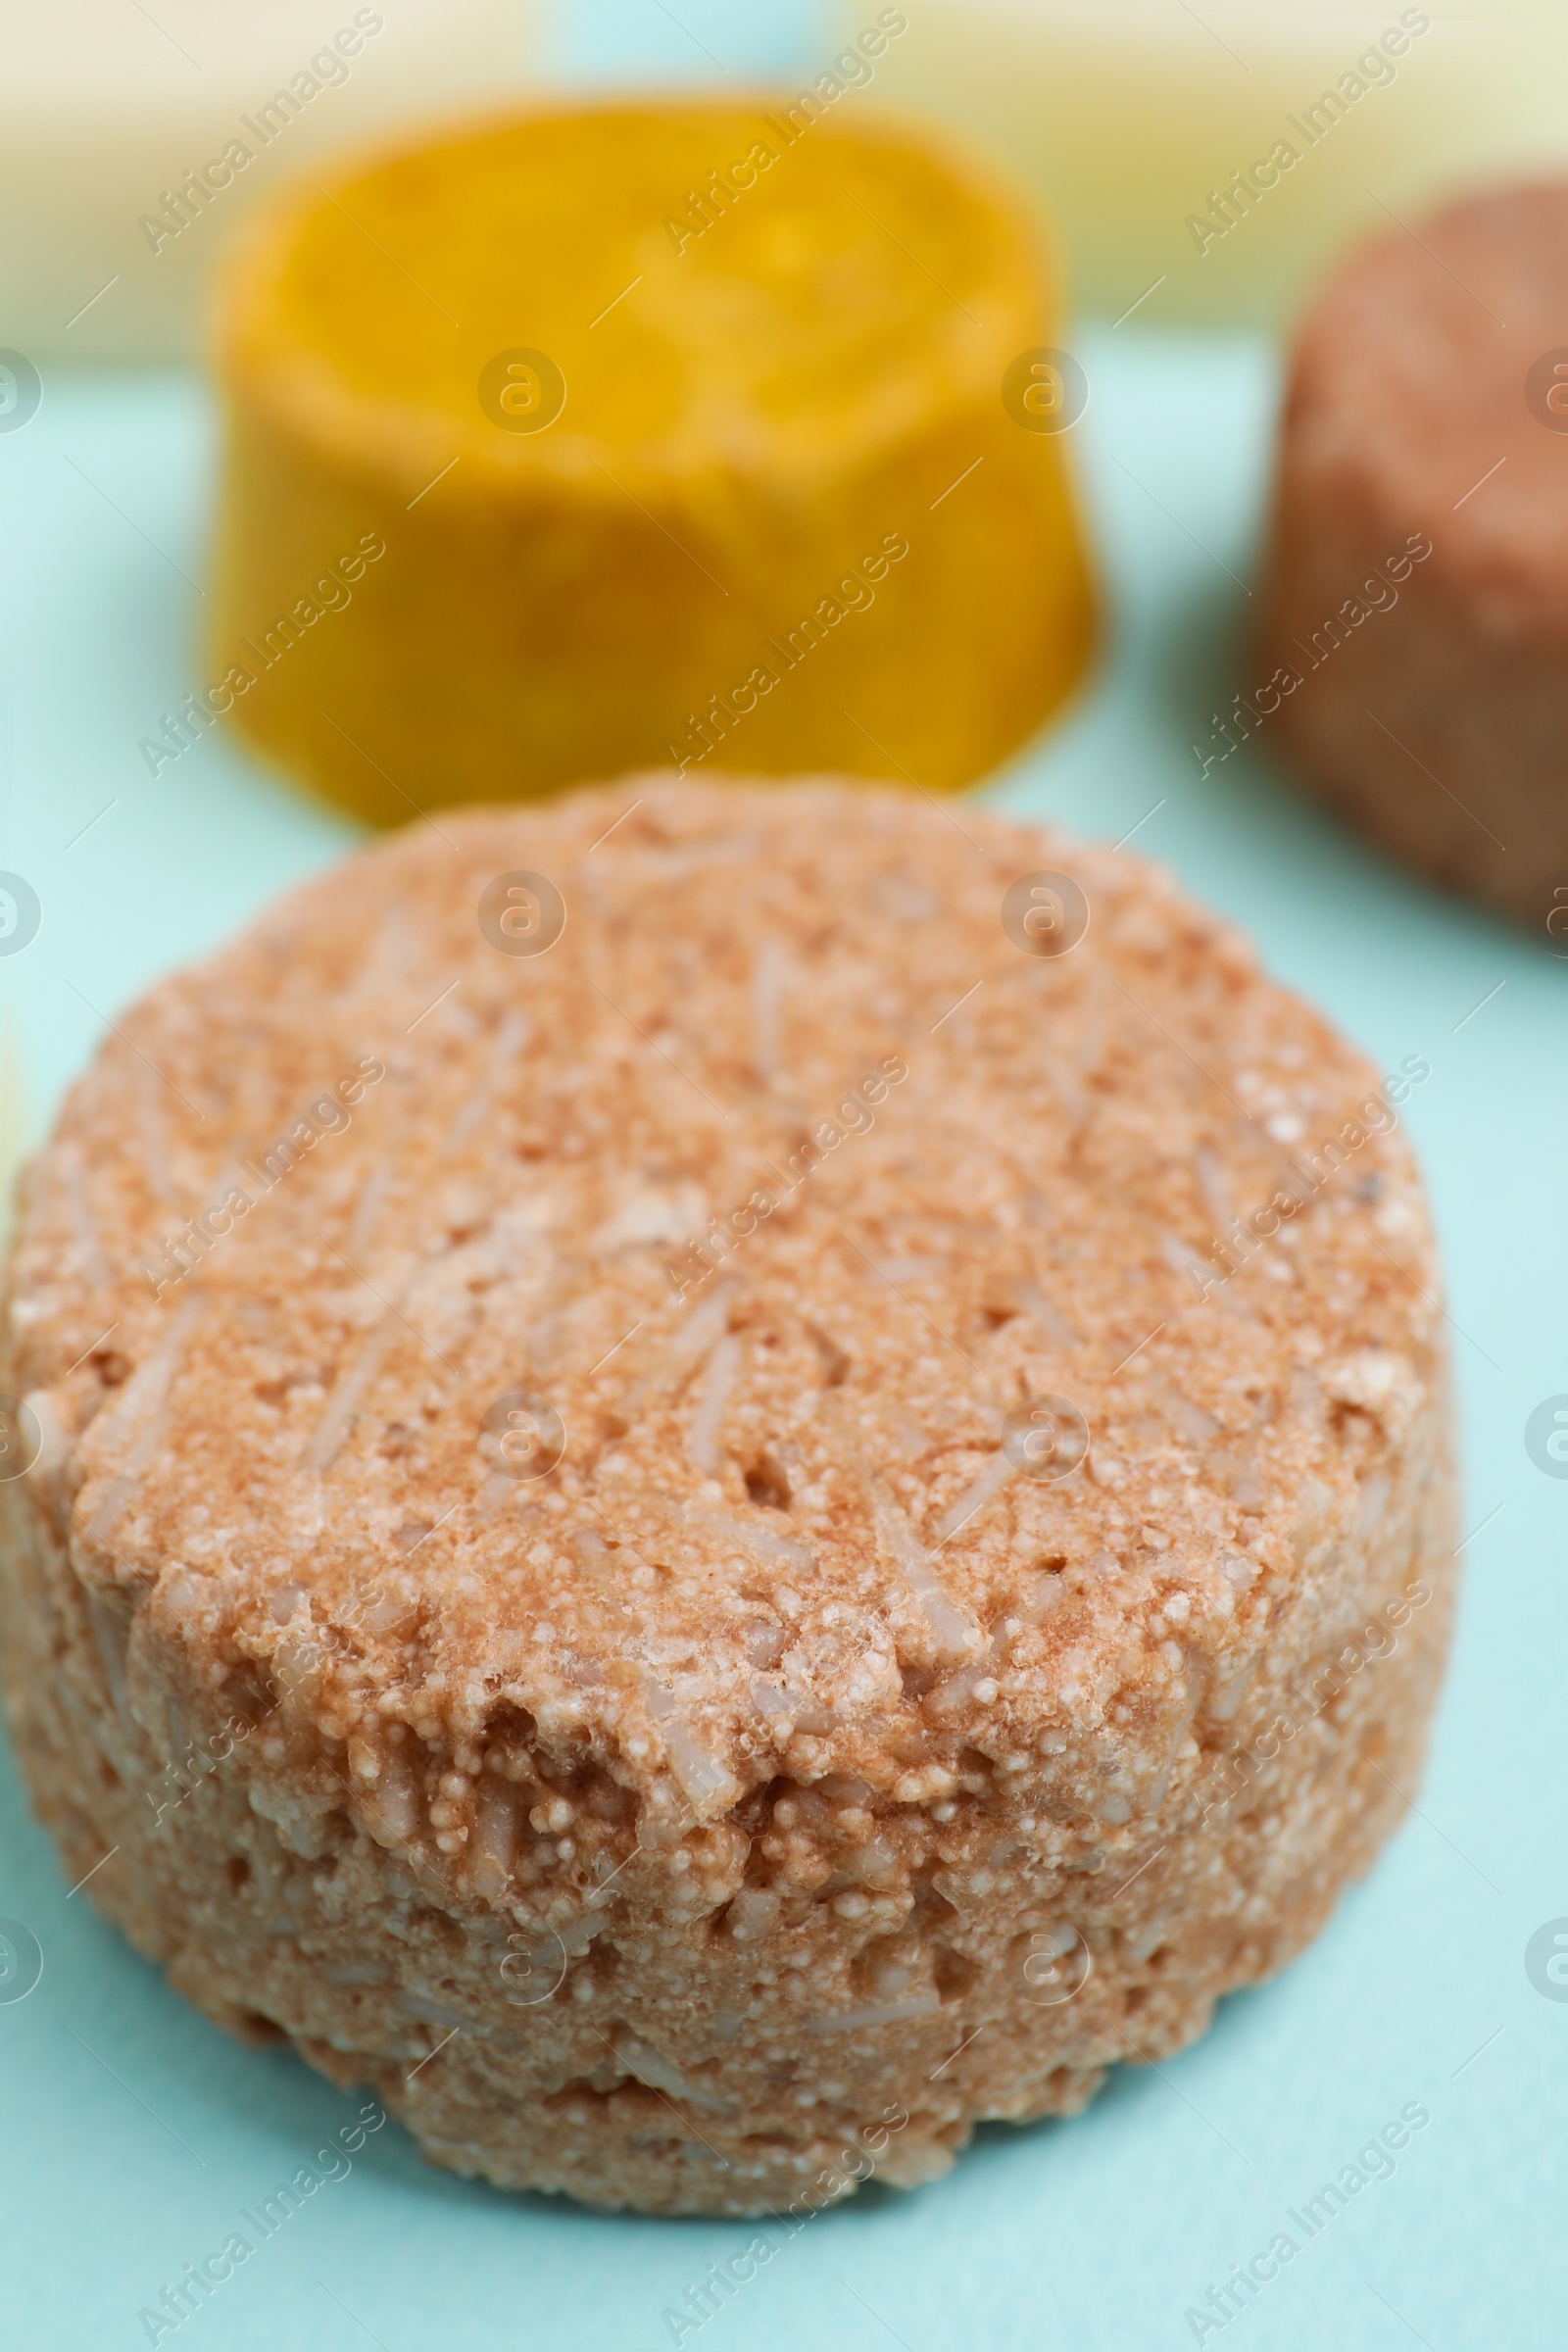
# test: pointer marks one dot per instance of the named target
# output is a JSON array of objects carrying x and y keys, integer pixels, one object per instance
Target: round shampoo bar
[
  {"x": 719, "y": 1481},
  {"x": 674, "y": 434},
  {"x": 1413, "y": 663}
]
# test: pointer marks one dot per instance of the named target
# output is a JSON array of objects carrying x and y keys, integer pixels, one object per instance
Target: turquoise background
[{"x": 135, "y": 2131}]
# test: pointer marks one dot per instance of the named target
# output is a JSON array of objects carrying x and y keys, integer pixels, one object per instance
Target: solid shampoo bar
[
  {"x": 755, "y": 1583},
  {"x": 1414, "y": 633},
  {"x": 684, "y": 434}
]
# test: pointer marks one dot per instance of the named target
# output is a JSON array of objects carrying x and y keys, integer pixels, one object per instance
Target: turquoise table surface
[{"x": 134, "y": 2133}]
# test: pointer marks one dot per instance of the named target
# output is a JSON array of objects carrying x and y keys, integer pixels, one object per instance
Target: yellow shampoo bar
[{"x": 576, "y": 443}]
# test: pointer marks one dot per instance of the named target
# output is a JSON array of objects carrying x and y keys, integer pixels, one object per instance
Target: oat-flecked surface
[{"x": 703, "y": 1792}]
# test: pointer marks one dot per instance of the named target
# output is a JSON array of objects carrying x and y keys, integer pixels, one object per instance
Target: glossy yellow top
[
  {"x": 712, "y": 283},
  {"x": 625, "y": 393}
]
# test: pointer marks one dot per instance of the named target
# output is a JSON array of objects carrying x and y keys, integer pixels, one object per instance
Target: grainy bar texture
[
  {"x": 788, "y": 1753},
  {"x": 1417, "y": 607}
]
